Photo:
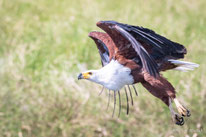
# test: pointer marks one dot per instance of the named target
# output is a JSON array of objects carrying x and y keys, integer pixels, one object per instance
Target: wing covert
[{"x": 104, "y": 45}]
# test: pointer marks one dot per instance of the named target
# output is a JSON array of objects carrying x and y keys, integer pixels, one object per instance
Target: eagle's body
[{"x": 132, "y": 54}]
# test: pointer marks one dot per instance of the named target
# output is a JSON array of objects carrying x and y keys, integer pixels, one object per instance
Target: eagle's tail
[{"x": 183, "y": 65}]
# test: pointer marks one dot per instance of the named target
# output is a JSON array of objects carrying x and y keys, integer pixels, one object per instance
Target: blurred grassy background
[{"x": 44, "y": 45}]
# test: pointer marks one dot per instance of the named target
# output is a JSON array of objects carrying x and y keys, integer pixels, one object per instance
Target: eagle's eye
[{"x": 90, "y": 73}]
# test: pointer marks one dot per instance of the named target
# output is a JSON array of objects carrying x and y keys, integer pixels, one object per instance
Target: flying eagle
[{"x": 132, "y": 54}]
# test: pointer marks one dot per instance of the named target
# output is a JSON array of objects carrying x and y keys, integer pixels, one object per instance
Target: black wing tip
[{"x": 175, "y": 48}]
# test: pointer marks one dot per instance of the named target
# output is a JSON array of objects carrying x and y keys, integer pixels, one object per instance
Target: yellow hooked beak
[{"x": 84, "y": 75}]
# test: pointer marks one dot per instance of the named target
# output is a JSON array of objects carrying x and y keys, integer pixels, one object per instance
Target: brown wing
[
  {"x": 105, "y": 46},
  {"x": 129, "y": 47},
  {"x": 160, "y": 48}
]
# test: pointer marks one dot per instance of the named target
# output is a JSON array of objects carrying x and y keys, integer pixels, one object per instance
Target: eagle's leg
[
  {"x": 181, "y": 109},
  {"x": 179, "y": 120},
  {"x": 162, "y": 89}
]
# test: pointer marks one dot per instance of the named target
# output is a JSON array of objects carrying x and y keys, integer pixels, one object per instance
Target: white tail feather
[{"x": 183, "y": 65}]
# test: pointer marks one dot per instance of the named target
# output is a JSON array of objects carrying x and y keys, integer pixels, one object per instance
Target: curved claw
[
  {"x": 179, "y": 120},
  {"x": 188, "y": 113},
  {"x": 181, "y": 109},
  {"x": 185, "y": 112}
]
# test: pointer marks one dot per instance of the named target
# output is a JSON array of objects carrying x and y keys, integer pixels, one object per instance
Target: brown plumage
[{"x": 146, "y": 54}]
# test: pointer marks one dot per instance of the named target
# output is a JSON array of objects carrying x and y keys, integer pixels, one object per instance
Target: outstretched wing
[
  {"x": 123, "y": 40},
  {"x": 148, "y": 62},
  {"x": 159, "y": 46},
  {"x": 104, "y": 44}
]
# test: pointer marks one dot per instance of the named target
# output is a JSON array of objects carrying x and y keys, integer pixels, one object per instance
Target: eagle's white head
[{"x": 113, "y": 76}]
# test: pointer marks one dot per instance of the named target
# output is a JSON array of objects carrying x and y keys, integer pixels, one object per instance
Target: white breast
[{"x": 113, "y": 76}]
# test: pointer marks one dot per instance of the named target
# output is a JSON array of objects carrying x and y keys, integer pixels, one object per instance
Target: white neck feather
[{"x": 113, "y": 76}]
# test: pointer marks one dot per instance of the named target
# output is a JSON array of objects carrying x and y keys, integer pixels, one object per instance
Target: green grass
[{"x": 44, "y": 45}]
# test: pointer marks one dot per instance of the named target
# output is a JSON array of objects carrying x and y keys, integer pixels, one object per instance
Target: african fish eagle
[{"x": 132, "y": 54}]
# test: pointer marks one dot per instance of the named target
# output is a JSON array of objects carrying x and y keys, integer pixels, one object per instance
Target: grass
[{"x": 44, "y": 45}]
